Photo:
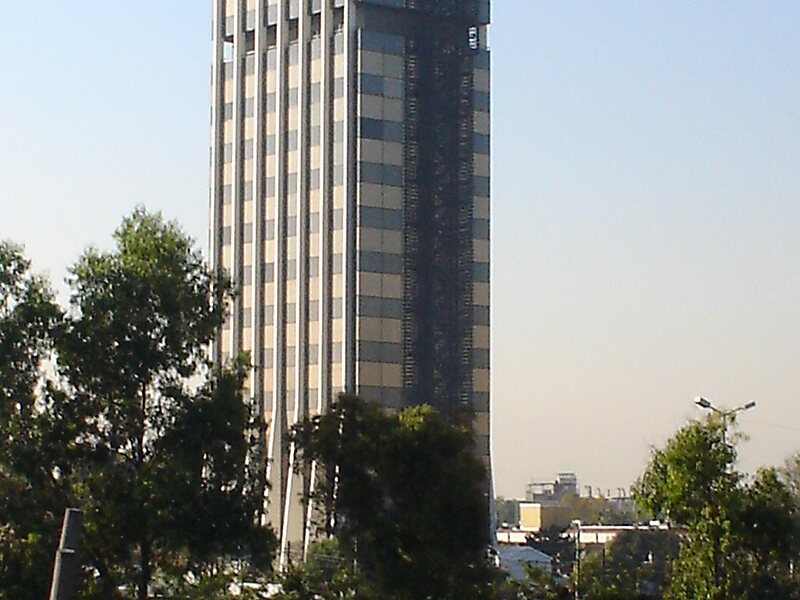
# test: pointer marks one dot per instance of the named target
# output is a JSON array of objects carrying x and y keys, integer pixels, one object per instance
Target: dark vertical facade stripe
[{"x": 439, "y": 204}]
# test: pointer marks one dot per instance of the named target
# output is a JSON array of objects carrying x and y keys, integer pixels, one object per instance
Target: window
[
  {"x": 482, "y": 186},
  {"x": 380, "y": 218},
  {"x": 480, "y": 271},
  {"x": 480, "y": 229},
  {"x": 482, "y": 101},
  {"x": 380, "y": 173},
  {"x": 480, "y": 143},
  {"x": 268, "y": 272},
  {"x": 338, "y": 87}
]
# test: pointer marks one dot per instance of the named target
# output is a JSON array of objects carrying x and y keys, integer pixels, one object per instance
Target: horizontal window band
[
  {"x": 380, "y": 218},
  {"x": 377, "y": 129},
  {"x": 380, "y": 352},
  {"x": 480, "y": 272},
  {"x": 482, "y": 101},
  {"x": 481, "y": 143},
  {"x": 372, "y": 306},
  {"x": 481, "y": 315},
  {"x": 380, "y": 262},
  {"x": 384, "y": 396},
  {"x": 480, "y": 358},
  {"x": 480, "y": 229},
  {"x": 482, "y": 59},
  {"x": 381, "y": 42}
]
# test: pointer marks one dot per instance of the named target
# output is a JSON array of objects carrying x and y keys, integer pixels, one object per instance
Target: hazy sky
[{"x": 646, "y": 199}]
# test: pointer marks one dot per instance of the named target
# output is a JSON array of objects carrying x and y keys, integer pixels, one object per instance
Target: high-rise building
[{"x": 350, "y": 202}]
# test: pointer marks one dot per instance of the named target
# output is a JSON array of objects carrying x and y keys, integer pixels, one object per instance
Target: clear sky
[{"x": 646, "y": 230}]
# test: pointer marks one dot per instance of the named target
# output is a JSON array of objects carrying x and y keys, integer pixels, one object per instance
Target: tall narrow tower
[{"x": 350, "y": 203}]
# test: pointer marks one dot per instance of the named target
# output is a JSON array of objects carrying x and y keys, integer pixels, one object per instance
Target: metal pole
[
  {"x": 724, "y": 427},
  {"x": 65, "y": 569},
  {"x": 578, "y": 561}
]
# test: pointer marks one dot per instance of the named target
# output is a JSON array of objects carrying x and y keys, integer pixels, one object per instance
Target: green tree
[
  {"x": 507, "y": 510},
  {"x": 326, "y": 574},
  {"x": 167, "y": 486},
  {"x": 692, "y": 482},
  {"x": 739, "y": 538},
  {"x": 635, "y": 564},
  {"x": 768, "y": 524},
  {"x": 537, "y": 585},
  {"x": 407, "y": 493},
  {"x": 31, "y": 490}
]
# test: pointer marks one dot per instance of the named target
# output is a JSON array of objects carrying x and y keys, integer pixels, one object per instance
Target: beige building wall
[{"x": 537, "y": 517}]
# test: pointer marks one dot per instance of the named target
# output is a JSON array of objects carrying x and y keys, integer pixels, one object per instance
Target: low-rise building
[
  {"x": 537, "y": 516},
  {"x": 514, "y": 558},
  {"x": 603, "y": 534}
]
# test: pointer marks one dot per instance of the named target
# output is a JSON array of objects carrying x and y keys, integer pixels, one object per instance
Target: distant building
[
  {"x": 507, "y": 535},
  {"x": 552, "y": 491},
  {"x": 514, "y": 558},
  {"x": 603, "y": 534},
  {"x": 535, "y": 516}
]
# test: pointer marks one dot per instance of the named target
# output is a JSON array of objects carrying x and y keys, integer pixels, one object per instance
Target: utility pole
[
  {"x": 66, "y": 565},
  {"x": 577, "y": 523}
]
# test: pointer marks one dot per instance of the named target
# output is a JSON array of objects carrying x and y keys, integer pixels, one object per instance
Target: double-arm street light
[{"x": 727, "y": 414}]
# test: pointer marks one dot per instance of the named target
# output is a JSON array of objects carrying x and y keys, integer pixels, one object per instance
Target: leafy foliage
[
  {"x": 31, "y": 491},
  {"x": 326, "y": 575},
  {"x": 740, "y": 538},
  {"x": 407, "y": 493},
  {"x": 635, "y": 564},
  {"x": 169, "y": 487},
  {"x": 537, "y": 585},
  {"x": 138, "y": 429}
]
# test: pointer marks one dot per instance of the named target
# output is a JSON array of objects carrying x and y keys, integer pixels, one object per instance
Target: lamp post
[
  {"x": 577, "y": 524},
  {"x": 727, "y": 414}
]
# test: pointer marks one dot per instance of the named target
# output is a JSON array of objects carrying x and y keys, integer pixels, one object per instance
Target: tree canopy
[
  {"x": 135, "y": 426},
  {"x": 740, "y": 537},
  {"x": 407, "y": 496},
  {"x": 31, "y": 491}
]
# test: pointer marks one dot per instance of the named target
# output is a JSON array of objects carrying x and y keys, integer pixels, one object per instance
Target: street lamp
[{"x": 727, "y": 414}]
